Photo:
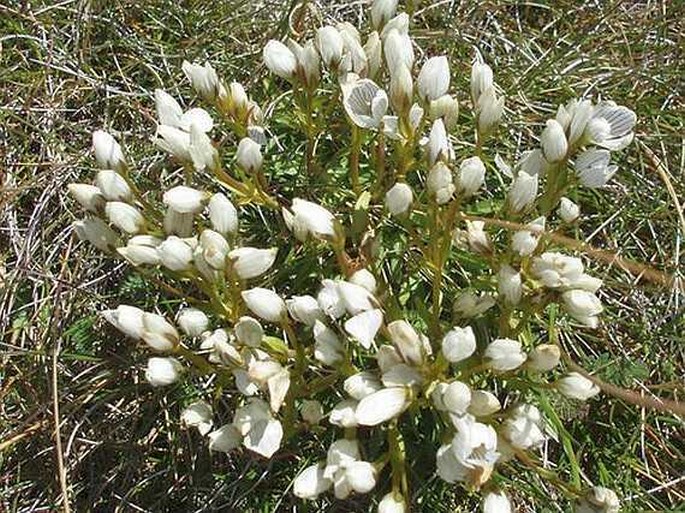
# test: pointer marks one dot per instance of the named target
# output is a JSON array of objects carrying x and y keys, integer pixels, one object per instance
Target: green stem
[
  {"x": 397, "y": 461},
  {"x": 354, "y": 158}
]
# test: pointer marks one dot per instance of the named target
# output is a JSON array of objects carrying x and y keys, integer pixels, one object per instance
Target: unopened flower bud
[
  {"x": 88, "y": 196},
  {"x": 481, "y": 79},
  {"x": 447, "y": 108},
  {"x": 576, "y": 386},
  {"x": 392, "y": 503},
  {"x": 382, "y": 406},
  {"x": 582, "y": 305},
  {"x": 398, "y": 52},
  {"x": 399, "y": 198},
  {"x": 471, "y": 176},
  {"x": 374, "y": 51},
  {"x": 406, "y": 340},
  {"x": 434, "y": 78},
  {"x": 223, "y": 215},
  {"x": 504, "y": 355},
  {"x": 523, "y": 191},
  {"x": 456, "y": 397},
  {"x": 496, "y": 502},
  {"x": 175, "y": 254},
  {"x": 108, "y": 152},
  {"x": 440, "y": 184},
  {"x": 458, "y": 344},
  {"x": 203, "y": 79},
  {"x": 483, "y": 403},
  {"x": 305, "y": 309},
  {"x": 193, "y": 322},
  {"x": 401, "y": 88},
  {"x": 382, "y": 11},
  {"x": 113, "y": 186},
  {"x": 568, "y": 210},
  {"x": 279, "y": 59},
  {"x": 249, "y": 263},
  {"x": 249, "y": 155},
  {"x": 543, "y": 358},
  {"x": 141, "y": 250},
  {"x": 598, "y": 500},
  {"x": 163, "y": 371},
  {"x": 364, "y": 278},
  {"x": 125, "y": 217},
  {"x": 553, "y": 141},
  {"x": 184, "y": 200},
  {"x": 330, "y": 45},
  {"x": 509, "y": 284},
  {"x": 490, "y": 108},
  {"x": 265, "y": 303}
]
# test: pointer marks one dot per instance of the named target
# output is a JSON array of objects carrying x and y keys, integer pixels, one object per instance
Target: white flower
[
  {"x": 88, "y": 196},
  {"x": 141, "y": 250},
  {"x": 382, "y": 11},
  {"x": 581, "y": 112},
  {"x": 174, "y": 141},
  {"x": 113, "y": 186},
  {"x": 163, "y": 371},
  {"x": 593, "y": 169},
  {"x": 310, "y": 218},
  {"x": 469, "y": 305},
  {"x": 329, "y": 299},
  {"x": 309, "y": 61},
  {"x": 202, "y": 152},
  {"x": 496, "y": 502},
  {"x": 158, "y": 333},
  {"x": 364, "y": 326},
  {"x": 398, "y": 51},
  {"x": 611, "y": 126},
  {"x": 440, "y": 184},
  {"x": 124, "y": 216},
  {"x": 265, "y": 303},
  {"x": 407, "y": 342},
  {"x": 346, "y": 471},
  {"x": 224, "y": 439},
  {"x": 598, "y": 500},
  {"x": 522, "y": 427},
  {"x": 399, "y": 198},
  {"x": 178, "y": 224},
  {"x": 576, "y": 386},
  {"x": 477, "y": 238},
  {"x": 399, "y": 23},
  {"x": 279, "y": 59},
  {"x": 382, "y": 406},
  {"x": 471, "y": 176},
  {"x": 278, "y": 386},
  {"x": 523, "y": 190},
  {"x": 388, "y": 357},
  {"x": 543, "y": 358},
  {"x": 311, "y": 411},
  {"x": 489, "y": 109},
  {"x": 359, "y": 385},
  {"x": 107, "y": 151},
  {"x": 434, "y": 78},
  {"x": 185, "y": 200},
  {"x": 374, "y": 54},
  {"x": 582, "y": 305},
  {"x": 439, "y": 145},
  {"x": 401, "y": 375},
  {"x": 526, "y": 241},
  {"x": 249, "y": 263},
  {"x": 568, "y": 210},
  {"x": 305, "y": 309},
  {"x": 203, "y": 79},
  {"x": 127, "y": 319},
  {"x": 481, "y": 79},
  {"x": 401, "y": 89},
  {"x": 262, "y": 433},
  {"x": 171, "y": 115},
  {"x": 447, "y": 108},
  {"x": 175, "y": 254},
  {"x": 364, "y": 278},
  {"x": 248, "y": 331},
  {"x": 556, "y": 270},
  {"x": 215, "y": 249},
  {"x": 355, "y": 298},
  {"x": 365, "y": 103},
  {"x": 509, "y": 285},
  {"x": 310, "y": 483},
  {"x": 504, "y": 355},
  {"x": 249, "y": 155},
  {"x": 193, "y": 322},
  {"x": 458, "y": 344},
  {"x": 483, "y": 403},
  {"x": 343, "y": 414},
  {"x": 327, "y": 349},
  {"x": 95, "y": 231},
  {"x": 553, "y": 141},
  {"x": 223, "y": 215},
  {"x": 392, "y": 503},
  {"x": 456, "y": 397},
  {"x": 533, "y": 162},
  {"x": 199, "y": 415},
  {"x": 330, "y": 45}
]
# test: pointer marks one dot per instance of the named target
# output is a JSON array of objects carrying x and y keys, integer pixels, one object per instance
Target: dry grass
[{"x": 67, "y": 68}]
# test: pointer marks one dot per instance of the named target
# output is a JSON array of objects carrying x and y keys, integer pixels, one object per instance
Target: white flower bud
[
  {"x": 328, "y": 348},
  {"x": 598, "y": 500},
  {"x": 141, "y": 250},
  {"x": 163, "y": 371},
  {"x": 483, "y": 403},
  {"x": 305, "y": 309},
  {"x": 481, "y": 79},
  {"x": 310, "y": 218},
  {"x": 583, "y": 306},
  {"x": 175, "y": 254},
  {"x": 249, "y": 263},
  {"x": 447, "y": 108},
  {"x": 543, "y": 358},
  {"x": 265, "y": 303},
  {"x": 311, "y": 483},
  {"x": 112, "y": 185},
  {"x": 124, "y": 216},
  {"x": 311, "y": 411},
  {"x": 553, "y": 141},
  {"x": 215, "y": 249},
  {"x": 382, "y": 11},
  {"x": 522, "y": 428},
  {"x": 95, "y": 231},
  {"x": 496, "y": 502},
  {"x": 169, "y": 112},
  {"x": 439, "y": 183},
  {"x": 568, "y": 210},
  {"x": 193, "y": 322},
  {"x": 355, "y": 298},
  {"x": 364, "y": 278},
  {"x": 202, "y": 152},
  {"x": 225, "y": 439},
  {"x": 458, "y": 344},
  {"x": 329, "y": 299},
  {"x": 407, "y": 342},
  {"x": 525, "y": 242},
  {"x": 374, "y": 54},
  {"x": 223, "y": 215},
  {"x": 330, "y": 45},
  {"x": 364, "y": 326},
  {"x": 477, "y": 238},
  {"x": 509, "y": 284},
  {"x": 504, "y": 355},
  {"x": 107, "y": 151},
  {"x": 439, "y": 145},
  {"x": 469, "y": 305},
  {"x": 359, "y": 385},
  {"x": 199, "y": 415},
  {"x": 399, "y": 198},
  {"x": 456, "y": 397},
  {"x": 490, "y": 108},
  {"x": 471, "y": 176},
  {"x": 401, "y": 89},
  {"x": 158, "y": 333},
  {"x": 279, "y": 59},
  {"x": 382, "y": 406},
  {"x": 248, "y": 331},
  {"x": 127, "y": 319},
  {"x": 576, "y": 386},
  {"x": 398, "y": 51},
  {"x": 361, "y": 476},
  {"x": 184, "y": 200},
  {"x": 237, "y": 101},
  {"x": 203, "y": 79},
  {"x": 399, "y": 23},
  {"x": 392, "y": 503},
  {"x": 249, "y": 155},
  {"x": 309, "y": 61},
  {"x": 343, "y": 414},
  {"x": 434, "y": 78},
  {"x": 88, "y": 196},
  {"x": 523, "y": 191},
  {"x": 174, "y": 141}
]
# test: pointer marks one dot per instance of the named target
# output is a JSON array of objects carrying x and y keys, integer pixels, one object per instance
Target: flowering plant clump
[{"x": 425, "y": 306}]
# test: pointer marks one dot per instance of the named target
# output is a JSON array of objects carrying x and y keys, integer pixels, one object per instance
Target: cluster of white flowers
[{"x": 382, "y": 358}]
